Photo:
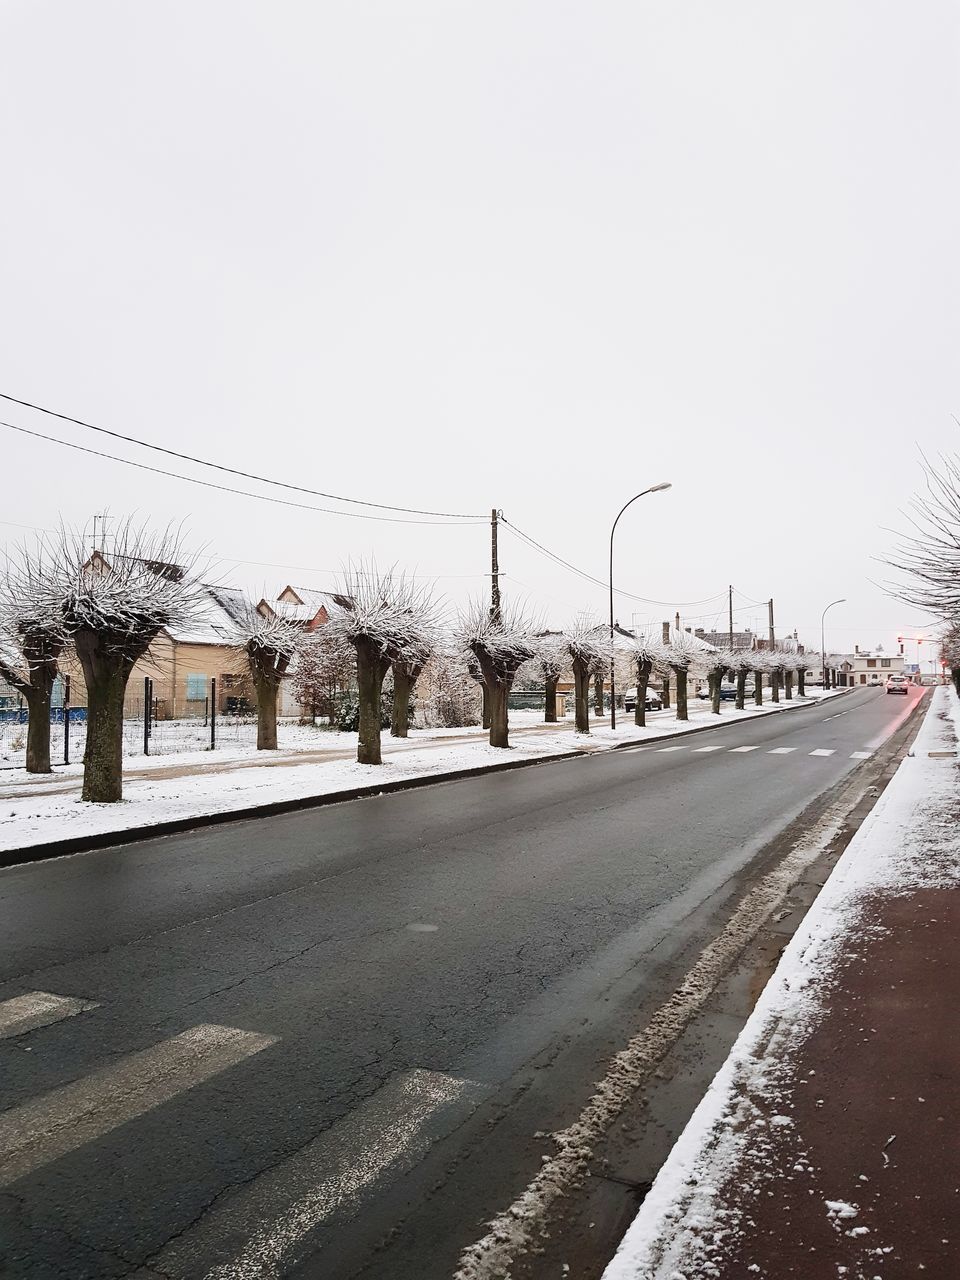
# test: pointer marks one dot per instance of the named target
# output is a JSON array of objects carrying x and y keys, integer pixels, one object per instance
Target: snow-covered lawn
[
  {"x": 909, "y": 842},
  {"x": 38, "y": 809}
]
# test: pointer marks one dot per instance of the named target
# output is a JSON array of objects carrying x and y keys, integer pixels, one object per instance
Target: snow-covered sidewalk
[
  {"x": 37, "y": 810},
  {"x": 826, "y": 1146}
]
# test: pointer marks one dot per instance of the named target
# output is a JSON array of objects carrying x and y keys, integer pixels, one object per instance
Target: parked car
[
  {"x": 928, "y": 681},
  {"x": 873, "y": 682},
  {"x": 728, "y": 691},
  {"x": 898, "y": 684},
  {"x": 652, "y": 702}
]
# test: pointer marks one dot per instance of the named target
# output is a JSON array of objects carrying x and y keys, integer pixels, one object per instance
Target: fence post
[
  {"x": 213, "y": 713},
  {"x": 206, "y": 711},
  {"x": 146, "y": 715},
  {"x": 66, "y": 719}
]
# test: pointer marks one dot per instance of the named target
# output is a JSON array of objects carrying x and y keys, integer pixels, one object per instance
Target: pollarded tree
[
  {"x": 648, "y": 656},
  {"x": 742, "y": 662},
  {"x": 114, "y": 604},
  {"x": 270, "y": 644},
  {"x": 585, "y": 653},
  {"x": 716, "y": 663},
  {"x": 499, "y": 644},
  {"x": 448, "y": 696},
  {"x": 681, "y": 655},
  {"x": 392, "y": 621},
  {"x": 407, "y": 669},
  {"x": 761, "y": 667},
  {"x": 550, "y": 662},
  {"x": 324, "y": 669},
  {"x": 776, "y": 662},
  {"x": 32, "y": 638},
  {"x": 950, "y": 652}
]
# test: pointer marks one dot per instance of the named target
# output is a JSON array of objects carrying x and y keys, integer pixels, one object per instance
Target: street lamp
[
  {"x": 656, "y": 488},
  {"x": 823, "y": 647}
]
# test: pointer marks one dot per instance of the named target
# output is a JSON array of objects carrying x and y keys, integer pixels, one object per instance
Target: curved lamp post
[
  {"x": 656, "y": 488},
  {"x": 823, "y": 647}
]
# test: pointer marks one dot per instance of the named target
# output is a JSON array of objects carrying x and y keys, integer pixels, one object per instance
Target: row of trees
[{"x": 107, "y": 608}]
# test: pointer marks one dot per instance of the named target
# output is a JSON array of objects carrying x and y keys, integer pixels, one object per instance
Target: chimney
[
  {"x": 676, "y": 622},
  {"x": 856, "y": 648},
  {"x": 699, "y": 633},
  {"x": 666, "y": 633}
]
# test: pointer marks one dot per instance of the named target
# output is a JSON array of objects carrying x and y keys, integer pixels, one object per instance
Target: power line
[
  {"x": 306, "y": 568},
  {"x": 208, "y": 484},
  {"x": 233, "y": 471},
  {"x": 537, "y": 546}
]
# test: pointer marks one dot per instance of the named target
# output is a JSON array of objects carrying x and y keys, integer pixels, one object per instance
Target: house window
[
  {"x": 863, "y": 678},
  {"x": 871, "y": 662},
  {"x": 196, "y": 688},
  {"x": 884, "y": 662}
]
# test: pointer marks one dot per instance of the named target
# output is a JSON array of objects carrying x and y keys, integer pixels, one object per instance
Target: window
[
  {"x": 196, "y": 688},
  {"x": 863, "y": 678},
  {"x": 871, "y": 662},
  {"x": 884, "y": 662}
]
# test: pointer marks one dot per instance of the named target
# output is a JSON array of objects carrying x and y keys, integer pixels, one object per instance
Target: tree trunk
[
  {"x": 499, "y": 727},
  {"x": 758, "y": 688},
  {"x": 681, "y": 675},
  {"x": 581, "y": 695},
  {"x": 38, "y": 725},
  {"x": 801, "y": 686},
  {"x": 103, "y": 755},
  {"x": 372, "y": 666},
  {"x": 268, "y": 691},
  {"x": 774, "y": 686},
  {"x": 955, "y": 673},
  {"x": 741, "y": 689},
  {"x": 598, "y": 693},
  {"x": 788, "y": 684},
  {"x": 643, "y": 680},
  {"x": 485, "y": 715},
  {"x": 715, "y": 679},
  {"x": 665, "y": 692},
  {"x": 404, "y": 679},
  {"x": 550, "y": 699}
]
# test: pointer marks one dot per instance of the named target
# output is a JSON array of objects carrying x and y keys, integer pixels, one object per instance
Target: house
[{"x": 305, "y": 606}]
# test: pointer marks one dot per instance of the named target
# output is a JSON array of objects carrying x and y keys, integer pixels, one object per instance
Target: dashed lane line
[
  {"x": 703, "y": 750},
  {"x": 780, "y": 751},
  {"x": 860, "y": 755},
  {"x": 38, "y": 1009},
  {"x": 823, "y": 751}
]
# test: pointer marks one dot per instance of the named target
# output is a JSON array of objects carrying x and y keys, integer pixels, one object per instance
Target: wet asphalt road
[{"x": 303, "y": 1023}]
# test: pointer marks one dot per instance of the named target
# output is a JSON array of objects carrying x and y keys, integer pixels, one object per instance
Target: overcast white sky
[{"x": 530, "y": 255}]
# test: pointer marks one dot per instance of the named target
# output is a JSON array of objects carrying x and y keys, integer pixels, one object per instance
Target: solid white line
[
  {"x": 821, "y": 751},
  {"x": 268, "y": 1220},
  {"x": 733, "y": 750},
  {"x": 38, "y": 1009},
  {"x": 781, "y": 751},
  {"x": 63, "y": 1120},
  {"x": 861, "y": 755},
  {"x": 719, "y": 747}
]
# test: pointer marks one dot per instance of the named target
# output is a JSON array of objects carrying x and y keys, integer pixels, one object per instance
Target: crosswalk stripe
[
  {"x": 58, "y": 1122},
  {"x": 38, "y": 1009},
  {"x": 860, "y": 755},
  {"x": 289, "y": 1201},
  {"x": 822, "y": 751},
  {"x": 734, "y": 750},
  {"x": 780, "y": 751},
  {"x": 719, "y": 747},
  {"x": 681, "y": 748}
]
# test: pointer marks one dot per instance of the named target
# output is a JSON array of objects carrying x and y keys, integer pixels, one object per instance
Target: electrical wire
[
  {"x": 233, "y": 471},
  {"x": 208, "y": 484},
  {"x": 537, "y": 546},
  {"x": 306, "y": 568}
]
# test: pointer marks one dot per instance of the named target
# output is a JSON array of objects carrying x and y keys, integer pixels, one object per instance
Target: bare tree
[
  {"x": 449, "y": 696},
  {"x": 929, "y": 556},
  {"x": 761, "y": 667},
  {"x": 269, "y": 644},
  {"x": 392, "y": 621},
  {"x": 775, "y": 661},
  {"x": 585, "y": 653},
  {"x": 742, "y": 662},
  {"x": 114, "y": 603},
  {"x": 717, "y": 663},
  {"x": 950, "y": 652},
  {"x": 498, "y": 645},
  {"x": 551, "y": 661},
  {"x": 648, "y": 656},
  {"x": 32, "y": 638},
  {"x": 324, "y": 669},
  {"x": 682, "y": 654}
]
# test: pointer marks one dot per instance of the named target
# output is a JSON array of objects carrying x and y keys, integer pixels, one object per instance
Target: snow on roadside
[
  {"x": 38, "y": 809},
  {"x": 909, "y": 840}
]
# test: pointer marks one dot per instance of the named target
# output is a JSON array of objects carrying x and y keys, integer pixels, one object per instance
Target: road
[{"x": 322, "y": 1044}]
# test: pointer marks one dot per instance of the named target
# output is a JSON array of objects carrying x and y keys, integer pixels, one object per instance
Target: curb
[{"x": 173, "y": 826}]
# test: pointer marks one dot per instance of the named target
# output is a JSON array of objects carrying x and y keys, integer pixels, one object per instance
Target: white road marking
[
  {"x": 58, "y": 1122},
  {"x": 719, "y": 747},
  {"x": 822, "y": 751},
  {"x": 38, "y": 1009},
  {"x": 734, "y": 750},
  {"x": 861, "y": 755},
  {"x": 780, "y": 751},
  {"x": 681, "y": 748},
  {"x": 292, "y": 1199}
]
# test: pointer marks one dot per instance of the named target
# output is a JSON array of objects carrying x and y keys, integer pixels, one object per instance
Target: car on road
[
  {"x": 873, "y": 682},
  {"x": 652, "y": 702},
  {"x": 898, "y": 684},
  {"x": 728, "y": 691}
]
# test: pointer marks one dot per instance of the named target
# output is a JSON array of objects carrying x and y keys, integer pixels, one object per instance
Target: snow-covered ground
[
  {"x": 39, "y": 809},
  {"x": 910, "y": 840}
]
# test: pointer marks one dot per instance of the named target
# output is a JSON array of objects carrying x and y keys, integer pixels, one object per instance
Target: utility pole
[
  {"x": 496, "y": 614},
  {"x": 730, "y": 589},
  {"x": 771, "y": 637}
]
